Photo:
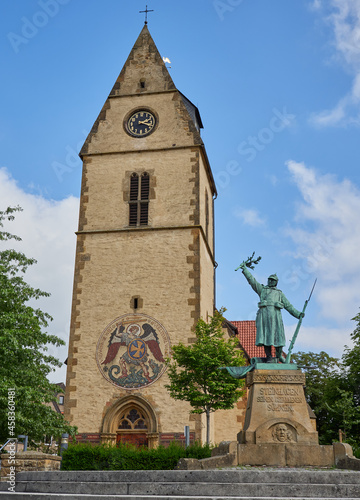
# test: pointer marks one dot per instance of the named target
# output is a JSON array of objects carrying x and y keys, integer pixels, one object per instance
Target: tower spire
[{"x": 146, "y": 13}]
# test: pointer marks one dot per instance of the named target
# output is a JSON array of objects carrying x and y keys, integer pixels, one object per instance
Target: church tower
[{"x": 144, "y": 270}]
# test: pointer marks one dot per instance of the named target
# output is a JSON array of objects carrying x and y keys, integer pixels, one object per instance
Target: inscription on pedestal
[
  {"x": 280, "y": 399},
  {"x": 275, "y": 378}
]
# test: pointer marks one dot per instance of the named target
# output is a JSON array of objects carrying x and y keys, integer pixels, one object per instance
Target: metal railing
[{"x": 7, "y": 442}]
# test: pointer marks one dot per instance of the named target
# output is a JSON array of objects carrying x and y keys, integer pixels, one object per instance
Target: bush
[
  {"x": 84, "y": 456},
  {"x": 356, "y": 450},
  {"x": 355, "y": 445}
]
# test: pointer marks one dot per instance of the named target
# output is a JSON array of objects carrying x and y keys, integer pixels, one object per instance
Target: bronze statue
[{"x": 269, "y": 323}]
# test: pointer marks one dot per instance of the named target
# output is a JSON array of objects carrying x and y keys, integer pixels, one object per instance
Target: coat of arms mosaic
[{"x": 132, "y": 350}]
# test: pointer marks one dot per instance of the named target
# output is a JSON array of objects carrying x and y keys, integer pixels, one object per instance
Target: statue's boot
[
  {"x": 269, "y": 358},
  {"x": 279, "y": 355}
]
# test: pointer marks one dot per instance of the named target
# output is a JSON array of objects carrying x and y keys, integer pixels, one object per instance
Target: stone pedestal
[
  {"x": 277, "y": 412},
  {"x": 278, "y": 429}
]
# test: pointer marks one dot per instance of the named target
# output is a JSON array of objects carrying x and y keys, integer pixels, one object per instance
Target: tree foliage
[
  {"x": 194, "y": 370},
  {"x": 333, "y": 391},
  {"x": 351, "y": 361},
  {"x": 322, "y": 381},
  {"x": 24, "y": 362}
]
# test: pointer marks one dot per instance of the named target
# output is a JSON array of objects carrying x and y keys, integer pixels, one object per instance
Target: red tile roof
[{"x": 247, "y": 335}]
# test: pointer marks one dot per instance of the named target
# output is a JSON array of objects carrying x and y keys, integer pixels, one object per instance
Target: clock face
[{"x": 141, "y": 123}]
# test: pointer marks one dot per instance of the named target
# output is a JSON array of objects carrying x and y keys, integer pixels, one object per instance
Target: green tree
[
  {"x": 348, "y": 415},
  {"x": 24, "y": 362},
  {"x": 351, "y": 361},
  {"x": 351, "y": 364},
  {"x": 194, "y": 370},
  {"x": 323, "y": 380},
  {"x": 332, "y": 391}
]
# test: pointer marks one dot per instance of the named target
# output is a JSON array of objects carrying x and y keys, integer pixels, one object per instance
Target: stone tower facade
[{"x": 144, "y": 270}]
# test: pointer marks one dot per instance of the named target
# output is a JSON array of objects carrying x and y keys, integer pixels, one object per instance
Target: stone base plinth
[
  {"x": 11, "y": 464},
  {"x": 277, "y": 455},
  {"x": 286, "y": 455}
]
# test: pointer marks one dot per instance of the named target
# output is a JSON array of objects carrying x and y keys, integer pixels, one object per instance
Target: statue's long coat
[{"x": 269, "y": 324}]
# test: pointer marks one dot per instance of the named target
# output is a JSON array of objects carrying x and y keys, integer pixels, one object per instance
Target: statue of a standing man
[{"x": 269, "y": 324}]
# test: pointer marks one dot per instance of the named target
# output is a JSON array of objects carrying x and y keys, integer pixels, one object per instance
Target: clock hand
[{"x": 146, "y": 122}]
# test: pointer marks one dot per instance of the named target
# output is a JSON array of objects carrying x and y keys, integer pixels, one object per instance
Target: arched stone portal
[{"x": 131, "y": 419}]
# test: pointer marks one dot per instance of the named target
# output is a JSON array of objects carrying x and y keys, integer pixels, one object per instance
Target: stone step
[
  {"x": 233, "y": 475},
  {"x": 226, "y": 484},
  {"x": 59, "y": 496},
  {"x": 192, "y": 488},
  {"x": 55, "y": 496}
]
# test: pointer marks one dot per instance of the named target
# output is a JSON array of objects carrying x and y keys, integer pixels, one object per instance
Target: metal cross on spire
[{"x": 146, "y": 13}]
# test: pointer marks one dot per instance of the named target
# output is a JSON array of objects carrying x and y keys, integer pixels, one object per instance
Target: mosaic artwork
[{"x": 131, "y": 351}]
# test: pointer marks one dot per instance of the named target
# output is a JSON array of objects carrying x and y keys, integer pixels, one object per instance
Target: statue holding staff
[{"x": 269, "y": 323}]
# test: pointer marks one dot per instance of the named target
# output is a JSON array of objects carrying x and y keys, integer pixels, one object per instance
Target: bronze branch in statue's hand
[{"x": 249, "y": 262}]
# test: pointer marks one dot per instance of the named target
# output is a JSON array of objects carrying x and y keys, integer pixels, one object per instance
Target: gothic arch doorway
[{"x": 131, "y": 420}]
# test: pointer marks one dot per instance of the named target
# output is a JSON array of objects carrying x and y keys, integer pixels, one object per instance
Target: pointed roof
[
  {"x": 145, "y": 72},
  {"x": 144, "y": 62}
]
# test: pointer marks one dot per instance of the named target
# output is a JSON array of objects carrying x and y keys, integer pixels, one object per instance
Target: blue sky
[{"x": 278, "y": 88}]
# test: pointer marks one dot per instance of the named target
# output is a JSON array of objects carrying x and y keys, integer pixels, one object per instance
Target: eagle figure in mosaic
[{"x": 138, "y": 345}]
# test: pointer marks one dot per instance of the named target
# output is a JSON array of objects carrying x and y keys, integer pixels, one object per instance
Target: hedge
[{"x": 84, "y": 456}]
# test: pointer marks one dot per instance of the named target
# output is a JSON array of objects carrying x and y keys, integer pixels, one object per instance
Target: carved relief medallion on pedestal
[
  {"x": 283, "y": 433},
  {"x": 131, "y": 351}
]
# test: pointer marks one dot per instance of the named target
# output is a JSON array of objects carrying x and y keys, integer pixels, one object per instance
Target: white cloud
[
  {"x": 47, "y": 230},
  {"x": 344, "y": 17},
  {"x": 249, "y": 217},
  {"x": 315, "y": 5},
  {"x": 327, "y": 239},
  {"x": 330, "y": 117},
  {"x": 273, "y": 180},
  {"x": 318, "y": 339}
]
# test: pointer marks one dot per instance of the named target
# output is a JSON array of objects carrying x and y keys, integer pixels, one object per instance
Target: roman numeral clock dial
[{"x": 141, "y": 123}]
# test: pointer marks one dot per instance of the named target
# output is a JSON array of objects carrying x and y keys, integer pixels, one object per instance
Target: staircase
[{"x": 227, "y": 484}]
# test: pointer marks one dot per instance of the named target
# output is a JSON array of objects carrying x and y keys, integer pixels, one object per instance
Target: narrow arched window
[{"x": 139, "y": 199}]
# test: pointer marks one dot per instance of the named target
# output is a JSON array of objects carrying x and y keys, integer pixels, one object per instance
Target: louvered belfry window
[{"x": 139, "y": 199}]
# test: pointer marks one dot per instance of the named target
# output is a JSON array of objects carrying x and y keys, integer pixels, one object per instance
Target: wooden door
[{"x": 136, "y": 439}]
